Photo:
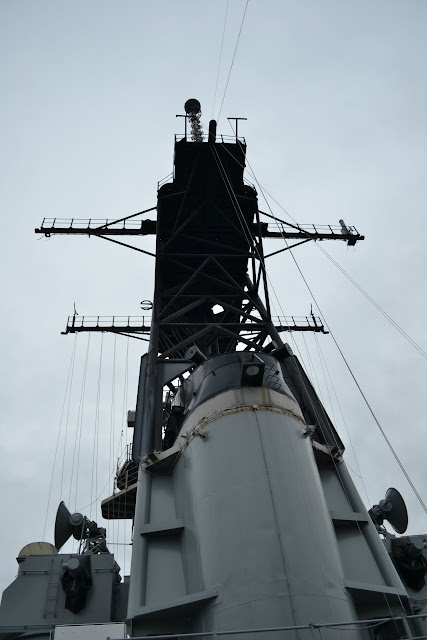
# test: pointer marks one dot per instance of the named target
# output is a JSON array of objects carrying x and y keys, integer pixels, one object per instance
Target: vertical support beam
[
  {"x": 150, "y": 406},
  {"x": 139, "y": 421},
  {"x": 275, "y": 335},
  {"x": 260, "y": 248},
  {"x": 138, "y": 573},
  {"x": 407, "y": 629},
  {"x": 149, "y": 401},
  {"x": 152, "y": 403},
  {"x": 375, "y": 544},
  {"x": 305, "y": 394}
]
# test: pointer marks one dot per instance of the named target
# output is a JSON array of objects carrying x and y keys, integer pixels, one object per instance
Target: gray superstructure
[{"x": 245, "y": 516}]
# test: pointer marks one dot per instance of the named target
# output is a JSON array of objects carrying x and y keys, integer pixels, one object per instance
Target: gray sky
[{"x": 335, "y": 96}]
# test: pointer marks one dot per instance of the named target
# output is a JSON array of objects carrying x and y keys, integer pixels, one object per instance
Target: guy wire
[
  {"x": 232, "y": 62},
  {"x": 69, "y": 376},
  {"x": 220, "y": 58}
]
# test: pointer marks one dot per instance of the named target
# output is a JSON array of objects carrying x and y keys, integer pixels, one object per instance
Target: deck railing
[{"x": 312, "y": 628}]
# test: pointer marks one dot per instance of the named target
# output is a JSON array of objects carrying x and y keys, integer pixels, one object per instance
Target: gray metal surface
[
  {"x": 225, "y": 372},
  {"x": 256, "y": 529},
  {"x": 246, "y": 518},
  {"x": 410, "y": 563},
  {"x": 369, "y": 628},
  {"x": 90, "y": 632},
  {"x": 36, "y": 598}
]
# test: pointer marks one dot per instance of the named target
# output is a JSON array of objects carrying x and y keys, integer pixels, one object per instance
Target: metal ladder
[{"x": 51, "y": 592}]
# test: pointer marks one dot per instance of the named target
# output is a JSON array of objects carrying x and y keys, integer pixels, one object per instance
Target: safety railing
[
  {"x": 110, "y": 322},
  {"x": 89, "y": 223},
  {"x": 143, "y": 323},
  {"x": 296, "y": 321},
  {"x": 164, "y": 180},
  {"x": 312, "y": 628},
  {"x": 205, "y": 138},
  {"x": 313, "y": 228},
  {"x": 126, "y": 470},
  {"x": 249, "y": 183},
  {"x": 49, "y": 224}
]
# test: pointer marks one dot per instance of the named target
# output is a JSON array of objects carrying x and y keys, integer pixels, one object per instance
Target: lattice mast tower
[{"x": 245, "y": 516}]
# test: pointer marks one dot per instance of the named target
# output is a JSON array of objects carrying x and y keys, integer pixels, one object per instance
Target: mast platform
[{"x": 142, "y": 324}]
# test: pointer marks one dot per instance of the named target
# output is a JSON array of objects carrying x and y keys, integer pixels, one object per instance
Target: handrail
[
  {"x": 227, "y": 138},
  {"x": 109, "y": 321},
  {"x": 374, "y": 622},
  {"x": 145, "y": 321},
  {"x": 311, "y": 228},
  {"x": 88, "y": 223},
  {"x": 164, "y": 180}
]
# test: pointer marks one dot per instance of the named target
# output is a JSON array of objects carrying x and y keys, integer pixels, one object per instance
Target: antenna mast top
[{"x": 194, "y": 111}]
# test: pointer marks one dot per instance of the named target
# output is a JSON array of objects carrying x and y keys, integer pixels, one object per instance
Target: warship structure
[{"x": 246, "y": 523}]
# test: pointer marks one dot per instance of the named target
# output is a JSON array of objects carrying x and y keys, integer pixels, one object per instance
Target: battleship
[{"x": 246, "y": 522}]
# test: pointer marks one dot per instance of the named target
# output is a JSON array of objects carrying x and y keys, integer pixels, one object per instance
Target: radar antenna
[
  {"x": 193, "y": 110},
  {"x": 393, "y": 509}
]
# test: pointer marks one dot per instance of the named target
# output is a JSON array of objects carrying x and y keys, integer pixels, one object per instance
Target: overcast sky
[{"x": 335, "y": 96}]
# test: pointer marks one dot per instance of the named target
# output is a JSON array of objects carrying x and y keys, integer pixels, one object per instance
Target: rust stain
[{"x": 259, "y": 407}]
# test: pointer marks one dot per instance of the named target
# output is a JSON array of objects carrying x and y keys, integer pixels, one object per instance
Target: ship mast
[{"x": 245, "y": 517}]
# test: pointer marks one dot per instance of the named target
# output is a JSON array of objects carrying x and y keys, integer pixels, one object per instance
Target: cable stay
[
  {"x": 186, "y": 316},
  {"x": 225, "y": 410},
  {"x": 302, "y": 373},
  {"x": 381, "y": 429},
  {"x": 404, "y": 334},
  {"x": 220, "y": 57},
  {"x": 232, "y": 61}
]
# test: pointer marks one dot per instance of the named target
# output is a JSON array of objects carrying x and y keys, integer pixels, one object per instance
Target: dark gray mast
[{"x": 245, "y": 517}]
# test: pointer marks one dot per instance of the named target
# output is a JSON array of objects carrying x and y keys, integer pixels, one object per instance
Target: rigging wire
[
  {"x": 120, "y": 448},
  {"x": 98, "y": 496},
  {"x": 80, "y": 438},
  {"x": 69, "y": 376},
  {"x": 319, "y": 422},
  {"x": 405, "y": 473},
  {"x": 126, "y": 390},
  {"x": 95, "y": 500},
  {"x": 387, "y": 316},
  {"x": 325, "y": 380},
  {"x": 232, "y": 61},
  {"x": 345, "y": 273},
  {"x": 113, "y": 403},
  {"x": 314, "y": 376},
  {"x": 376, "y": 305},
  {"x": 220, "y": 58},
  {"x": 95, "y": 496},
  {"x": 66, "y": 426},
  {"x": 94, "y": 479},
  {"x": 252, "y": 241},
  {"x": 113, "y": 463},
  {"x": 390, "y": 446},
  {"x": 250, "y": 238},
  {"x": 310, "y": 371},
  {"x": 359, "y": 472},
  {"x": 262, "y": 189},
  {"x": 77, "y": 437},
  {"x": 123, "y": 439}
]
